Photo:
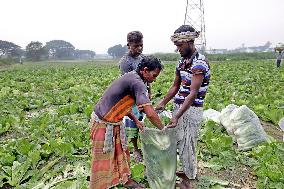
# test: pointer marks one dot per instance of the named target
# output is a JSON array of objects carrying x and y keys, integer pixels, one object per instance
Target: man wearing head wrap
[{"x": 188, "y": 91}]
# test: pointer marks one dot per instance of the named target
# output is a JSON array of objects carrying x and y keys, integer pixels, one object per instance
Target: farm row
[{"x": 45, "y": 109}]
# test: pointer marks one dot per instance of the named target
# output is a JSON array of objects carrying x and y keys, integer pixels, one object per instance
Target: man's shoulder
[
  {"x": 124, "y": 58},
  {"x": 200, "y": 62},
  {"x": 200, "y": 56},
  {"x": 130, "y": 75},
  {"x": 129, "y": 59},
  {"x": 132, "y": 78},
  {"x": 200, "y": 59}
]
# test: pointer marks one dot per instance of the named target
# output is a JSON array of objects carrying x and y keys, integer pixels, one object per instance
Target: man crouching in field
[
  {"x": 110, "y": 153},
  {"x": 188, "y": 90}
]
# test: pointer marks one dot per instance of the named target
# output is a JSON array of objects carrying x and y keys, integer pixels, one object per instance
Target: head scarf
[{"x": 185, "y": 36}]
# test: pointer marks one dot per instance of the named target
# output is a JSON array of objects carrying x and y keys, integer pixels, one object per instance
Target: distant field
[{"x": 46, "y": 106}]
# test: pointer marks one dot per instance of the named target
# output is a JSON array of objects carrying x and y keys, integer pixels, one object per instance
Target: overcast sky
[{"x": 99, "y": 24}]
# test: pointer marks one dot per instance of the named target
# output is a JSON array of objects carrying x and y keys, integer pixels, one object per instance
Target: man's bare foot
[
  {"x": 186, "y": 182},
  {"x": 181, "y": 174},
  {"x": 132, "y": 184},
  {"x": 184, "y": 185},
  {"x": 137, "y": 155}
]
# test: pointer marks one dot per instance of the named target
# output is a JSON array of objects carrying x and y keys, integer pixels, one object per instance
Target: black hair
[
  {"x": 151, "y": 62},
  {"x": 185, "y": 28},
  {"x": 134, "y": 37}
]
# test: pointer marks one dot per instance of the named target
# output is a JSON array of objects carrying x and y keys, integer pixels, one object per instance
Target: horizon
[{"x": 96, "y": 25}]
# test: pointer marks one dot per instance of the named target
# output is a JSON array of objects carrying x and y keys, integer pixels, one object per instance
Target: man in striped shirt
[{"x": 188, "y": 91}]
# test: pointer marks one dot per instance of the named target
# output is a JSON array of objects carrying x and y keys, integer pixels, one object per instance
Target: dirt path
[
  {"x": 272, "y": 130},
  {"x": 4, "y": 67},
  {"x": 240, "y": 177}
]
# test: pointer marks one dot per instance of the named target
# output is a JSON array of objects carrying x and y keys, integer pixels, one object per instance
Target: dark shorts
[{"x": 278, "y": 62}]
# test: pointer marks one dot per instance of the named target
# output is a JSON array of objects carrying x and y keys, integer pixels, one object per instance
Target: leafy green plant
[
  {"x": 45, "y": 111},
  {"x": 269, "y": 169}
]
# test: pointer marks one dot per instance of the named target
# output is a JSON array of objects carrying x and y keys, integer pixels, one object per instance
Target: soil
[
  {"x": 242, "y": 176},
  {"x": 272, "y": 130},
  {"x": 239, "y": 178}
]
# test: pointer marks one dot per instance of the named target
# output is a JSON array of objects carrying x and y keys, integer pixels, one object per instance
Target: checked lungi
[
  {"x": 186, "y": 134},
  {"x": 110, "y": 156}
]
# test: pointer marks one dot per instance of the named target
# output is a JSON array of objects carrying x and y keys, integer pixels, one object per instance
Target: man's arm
[
  {"x": 149, "y": 90},
  {"x": 153, "y": 116},
  {"x": 194, "y": 88},
  {"x": 171, "y": 93},
  {"x": 144, "y": 104},
  {"x": 137, "y": 122}
]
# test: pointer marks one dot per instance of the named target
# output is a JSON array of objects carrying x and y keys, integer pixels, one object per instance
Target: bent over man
[{"x": 110, "y": 154}]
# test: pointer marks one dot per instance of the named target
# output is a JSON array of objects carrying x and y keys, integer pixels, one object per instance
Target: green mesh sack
[{"x": 159, "y": 152}]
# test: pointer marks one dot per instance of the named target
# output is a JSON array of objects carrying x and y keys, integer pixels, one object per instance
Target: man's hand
[
  {"x": 140, "y": 125},
  {"x": 141, "y": 109},
  {"x": 159, "y": 108},
  {"x": 173, "y": 123}
]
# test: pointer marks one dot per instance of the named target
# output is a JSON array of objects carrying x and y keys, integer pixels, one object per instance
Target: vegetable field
[{"x": 46, "y": 106}]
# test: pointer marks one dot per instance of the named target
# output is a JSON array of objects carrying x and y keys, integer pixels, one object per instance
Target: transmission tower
[{"x": 194, "y": 16}]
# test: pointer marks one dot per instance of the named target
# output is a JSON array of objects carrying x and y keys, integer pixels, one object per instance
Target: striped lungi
[
  {"x": 187, "y": 133},
  {"x": 109, "y": 168}
]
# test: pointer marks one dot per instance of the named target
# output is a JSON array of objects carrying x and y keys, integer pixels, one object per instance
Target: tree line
[
  {"x": 52, "y": 50},
  {"x": 35, "y": 51}
]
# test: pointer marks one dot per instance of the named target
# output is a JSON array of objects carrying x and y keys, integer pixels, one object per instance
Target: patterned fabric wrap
[
  {"x": 184, "y": 36},
  {"x": 109, "y": 168},
  {"x": 159, "y": 149},
  {"x": 187, "y": 134},
  {"x": 131, "y": 128},
  {"x": 109, "y": 139},
  {"x": 186, "y": 69}
]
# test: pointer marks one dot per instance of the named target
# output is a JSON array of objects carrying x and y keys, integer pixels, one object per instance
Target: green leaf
[
  {"x": 137, "y": 172},
  {"x": 24, "y": 146},
  {"x": 18, "y": 172},
  {"x": 7, "y": 159}
]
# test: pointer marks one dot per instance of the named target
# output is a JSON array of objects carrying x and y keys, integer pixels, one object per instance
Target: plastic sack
[
  {"x": 211, "y": 114},
  {"x": 165, "y": 113},
  {"x": 225, "y": 119},
  {"x": 159, "y": 151},
  {"x": 247, "y": 128}
]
